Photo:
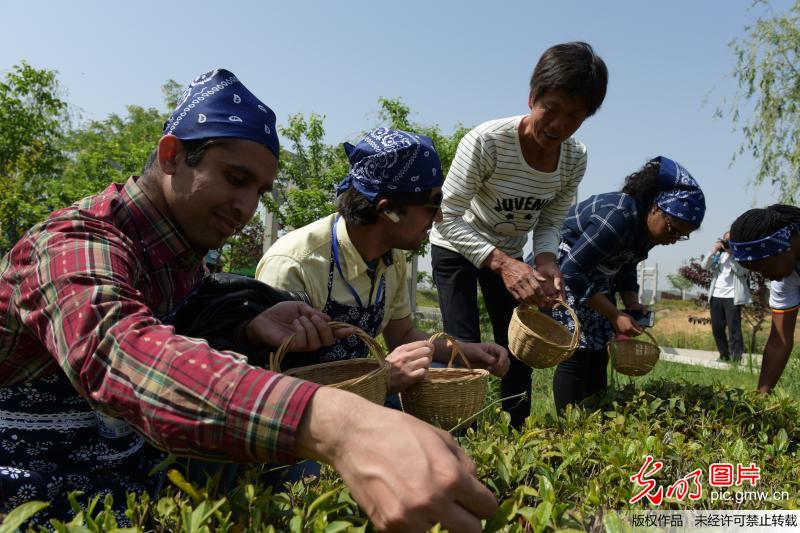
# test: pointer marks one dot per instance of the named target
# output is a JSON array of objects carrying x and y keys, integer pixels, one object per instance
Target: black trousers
[
  {"x": 457, "y": 281},
  {"x": 582, "y": 375},
  {"x": 726, "y": 315}
]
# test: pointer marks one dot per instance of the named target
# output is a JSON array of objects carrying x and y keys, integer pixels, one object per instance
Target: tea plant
[{"x": 555, "y": 473}]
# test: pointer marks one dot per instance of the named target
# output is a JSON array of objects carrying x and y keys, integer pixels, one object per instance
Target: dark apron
[
  {"x": 368, "y": 318},
  {"x": 52, "y": 442}
]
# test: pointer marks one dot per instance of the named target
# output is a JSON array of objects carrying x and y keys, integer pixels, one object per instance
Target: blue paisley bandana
[
  {"x": 768, "y": 246},
  {"x": 217, "y": 104},
  {"x": 681, "y": 196},
  {"x": 387, "y": 161}
]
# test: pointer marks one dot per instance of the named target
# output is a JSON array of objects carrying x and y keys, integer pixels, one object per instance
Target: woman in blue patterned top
[{"x": 603, "y": 239}]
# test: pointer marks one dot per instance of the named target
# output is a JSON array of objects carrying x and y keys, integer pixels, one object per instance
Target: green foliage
[
  {"x": 20, "y": 515},
  {"x": 768, "y": 74},
  {"x": 33, "y": 122},
  {"x": 556, "y": 473},
  {"x": 243, "y": 251},
  {"x": 309, "y": 172},
  {"x": 679, "y": 282},
  {"x": 110, "y": 150},
  {"x": 395, "y": 114},
  {"x": 46, "y": 165}
]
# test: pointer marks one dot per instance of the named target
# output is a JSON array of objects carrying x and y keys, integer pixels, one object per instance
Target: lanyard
[{"x": 335, "y": 241}]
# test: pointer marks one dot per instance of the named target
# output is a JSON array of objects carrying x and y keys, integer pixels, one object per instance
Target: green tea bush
[{"x": 555, "y": 473}]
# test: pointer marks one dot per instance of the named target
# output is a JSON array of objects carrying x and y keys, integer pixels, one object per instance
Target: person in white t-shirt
[
  {"x": 728, "y": 292},
  {"x": 511, "y": 177},
  {"x": 768, "y": 241}
]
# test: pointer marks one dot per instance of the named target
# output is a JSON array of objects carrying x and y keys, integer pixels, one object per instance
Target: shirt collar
[
  {"x": 354, "y": 265},
  {"x": 163, "y": 242}
]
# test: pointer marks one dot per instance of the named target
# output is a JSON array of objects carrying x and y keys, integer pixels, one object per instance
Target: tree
[
  {"x": 768, "y": 75},
  {"x": 396, "y": 114},
  {"x": 698, "y": 276},
  {"x": 109, "y": 151},
  {"x": 680, "y": 283},
  {"x": 242, "y": 251},
  {"x": 308, "y": 174},
  {"x": 33, "y": 122}
]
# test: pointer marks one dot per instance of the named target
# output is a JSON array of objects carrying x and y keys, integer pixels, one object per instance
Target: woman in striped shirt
[{"x": 509, "y": 177}]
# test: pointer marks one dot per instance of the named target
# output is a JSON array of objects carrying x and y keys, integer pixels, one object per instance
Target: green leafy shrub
[{"x": 556, "y": 473}]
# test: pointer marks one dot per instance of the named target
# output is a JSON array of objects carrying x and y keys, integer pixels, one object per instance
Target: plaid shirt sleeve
[
  {"x": 603, "y": 229},
  {"x": 80, "y": 301}
]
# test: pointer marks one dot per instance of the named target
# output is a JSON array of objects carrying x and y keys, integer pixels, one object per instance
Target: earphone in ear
[{"x": 391, "y": 215}]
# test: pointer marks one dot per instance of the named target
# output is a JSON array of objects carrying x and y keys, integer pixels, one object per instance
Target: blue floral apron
[
  {"x": 596, "y": 330},
  {"x": 52, "y": 442},
  {"x": 368, "y": 318}
]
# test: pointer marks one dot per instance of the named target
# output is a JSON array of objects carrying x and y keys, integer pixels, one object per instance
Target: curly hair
[
  {"x": 756, "y": 224},
  {"x": 643, "y": 184}
]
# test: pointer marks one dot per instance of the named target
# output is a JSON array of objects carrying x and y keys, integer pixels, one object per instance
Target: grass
[
  {"x": 427, "y": 298},
  {"x": 672, "y": 328},
  {"x": 737, "y": 377}
]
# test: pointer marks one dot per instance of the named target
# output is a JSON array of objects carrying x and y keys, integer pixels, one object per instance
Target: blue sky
[{"x": 451, "y": 62}]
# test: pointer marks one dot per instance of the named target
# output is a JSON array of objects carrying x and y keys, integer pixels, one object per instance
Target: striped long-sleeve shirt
[
  {"x": 80, "y": 294},
  {"x": 493, "y": 198}
]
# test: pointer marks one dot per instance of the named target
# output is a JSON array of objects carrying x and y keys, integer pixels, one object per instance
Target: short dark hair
[
  {"x": 575, "y": 68},
  {"x": 756, "y": 224},
  {"x": 357, "y": 210},
  {"x": 643, "y": 184},
  {"x": 195, "y": 150}
]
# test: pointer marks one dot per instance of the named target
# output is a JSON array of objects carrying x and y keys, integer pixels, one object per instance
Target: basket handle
[
  {"x": 455, "y": 348},
  {"x": 276, "y": 357},
  {"x": 576, "y": 335},
  {"x": 652, "y": 339}
]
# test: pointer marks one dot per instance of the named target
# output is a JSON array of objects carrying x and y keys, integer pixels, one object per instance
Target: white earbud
[{"x": 391, "y": 215}]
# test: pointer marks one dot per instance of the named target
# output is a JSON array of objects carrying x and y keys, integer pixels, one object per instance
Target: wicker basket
[
  {"x": 369, "y": 378},
  {"x": 633, "y": 357},
  {"x": 539, "y": 341},
  {"x": 447, "y": 396}
]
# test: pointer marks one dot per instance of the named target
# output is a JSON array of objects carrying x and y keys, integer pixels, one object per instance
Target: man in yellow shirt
[{"x": 352, "y": 263}]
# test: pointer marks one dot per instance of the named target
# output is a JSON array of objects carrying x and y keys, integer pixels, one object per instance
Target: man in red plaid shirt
[{"x": 90, "y": 377}]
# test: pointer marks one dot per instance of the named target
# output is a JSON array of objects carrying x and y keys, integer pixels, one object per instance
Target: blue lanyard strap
[{"x": 335, "y": 242}]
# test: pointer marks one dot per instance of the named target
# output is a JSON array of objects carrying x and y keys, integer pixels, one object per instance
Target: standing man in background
[{"x": 728, "y": 292}]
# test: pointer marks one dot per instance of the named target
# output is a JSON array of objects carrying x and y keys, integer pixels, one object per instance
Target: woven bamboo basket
[
  {"x": 633, "y": 357},
  {"x": 539, "y": 341},
  {"x": 447, "y": 396},
  {"x": 369, "y": 378}
]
